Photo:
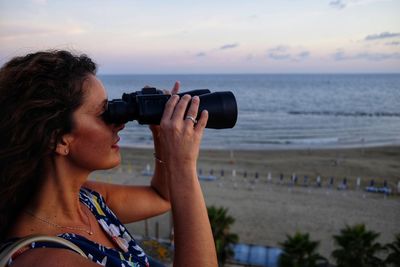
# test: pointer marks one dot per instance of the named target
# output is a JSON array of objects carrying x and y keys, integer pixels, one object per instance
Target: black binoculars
[{"x": 147, "y": 106}]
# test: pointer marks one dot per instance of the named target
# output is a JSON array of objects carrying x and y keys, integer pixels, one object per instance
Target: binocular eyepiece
[{"x": 147, "y": 106}]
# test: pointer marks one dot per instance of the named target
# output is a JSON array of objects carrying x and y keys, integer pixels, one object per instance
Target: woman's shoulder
[{"x": 54, "y": 257}]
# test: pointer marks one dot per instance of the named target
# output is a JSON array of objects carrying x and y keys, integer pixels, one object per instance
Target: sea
[{"x": 285, "y": 111}]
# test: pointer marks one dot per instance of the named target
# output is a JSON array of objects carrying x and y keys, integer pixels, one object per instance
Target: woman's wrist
[
  {"x": 158, "y": 159},
  {"x": 175, "y": 169}
]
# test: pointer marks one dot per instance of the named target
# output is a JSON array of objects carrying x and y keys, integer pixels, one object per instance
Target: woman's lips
[{"x": 115, "y": 145}]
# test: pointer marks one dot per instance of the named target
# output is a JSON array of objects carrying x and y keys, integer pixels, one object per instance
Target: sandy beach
[{"x": 267, "y": 208}]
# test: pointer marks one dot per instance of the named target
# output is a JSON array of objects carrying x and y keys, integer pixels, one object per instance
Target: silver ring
[{"x": 188, "y": 117}]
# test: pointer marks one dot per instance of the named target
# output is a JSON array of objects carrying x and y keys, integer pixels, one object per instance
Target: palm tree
[
  {"x": 393, "y": 258},
  {"x": 299, "y": 251},
  {"x": 357, "y": 247},
  {"x": 220, "y": 225}
]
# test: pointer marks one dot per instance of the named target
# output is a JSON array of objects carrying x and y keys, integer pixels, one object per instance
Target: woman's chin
[{"x": 116, "y": 161}]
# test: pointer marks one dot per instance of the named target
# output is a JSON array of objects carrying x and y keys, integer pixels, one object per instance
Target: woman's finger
[
  {"x": 202, "y": 122},
  {"x": 176, "y": 87},
  {"x": 169, "y": 108},
  {"x": 174, "y": 90},
  {"x": 181, "y": 108},
  {"x": 191, "y": 115}
]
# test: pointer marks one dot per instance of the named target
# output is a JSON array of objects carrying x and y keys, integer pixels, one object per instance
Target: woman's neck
[{"x": 59, "y": 193}]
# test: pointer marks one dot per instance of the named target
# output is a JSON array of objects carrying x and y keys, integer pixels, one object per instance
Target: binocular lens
[{"x": 222, "y": 109}]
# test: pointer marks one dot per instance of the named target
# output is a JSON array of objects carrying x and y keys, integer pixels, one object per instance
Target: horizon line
[{"x": 259, "y": 73}]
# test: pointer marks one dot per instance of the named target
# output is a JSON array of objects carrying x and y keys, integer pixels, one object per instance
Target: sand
[{"x": 266, "y": 209}]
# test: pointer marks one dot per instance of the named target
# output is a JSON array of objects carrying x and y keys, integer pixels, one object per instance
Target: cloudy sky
[{"x": 210, "y": 36}]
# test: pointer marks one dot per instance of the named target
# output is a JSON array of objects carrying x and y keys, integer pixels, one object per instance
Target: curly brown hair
[{"x": 38, "y": 94}]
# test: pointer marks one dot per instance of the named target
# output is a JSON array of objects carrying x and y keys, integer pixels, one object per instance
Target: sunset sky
[{"x": 218, "y": 36}]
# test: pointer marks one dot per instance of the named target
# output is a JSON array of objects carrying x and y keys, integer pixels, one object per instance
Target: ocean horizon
[{"x": 284, "y": 111}]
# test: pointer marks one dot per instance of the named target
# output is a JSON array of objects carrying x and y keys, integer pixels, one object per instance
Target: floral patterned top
[{"x": 130, "y": 254}]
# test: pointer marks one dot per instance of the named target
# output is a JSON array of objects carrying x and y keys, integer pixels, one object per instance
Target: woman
[{"x": 53, "y": 136}]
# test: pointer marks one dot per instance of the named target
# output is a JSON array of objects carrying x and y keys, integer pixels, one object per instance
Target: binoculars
[{"x": 147, "y": 107}]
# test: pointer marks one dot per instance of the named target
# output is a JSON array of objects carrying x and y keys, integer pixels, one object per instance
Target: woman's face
[{"x": 93, "y": 143}]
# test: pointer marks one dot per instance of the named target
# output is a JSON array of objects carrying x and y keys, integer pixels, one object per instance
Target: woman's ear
[{"x": 63, "y": 145}]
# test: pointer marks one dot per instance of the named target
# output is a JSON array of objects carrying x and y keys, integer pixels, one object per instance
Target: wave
[
  {"x": 346, "y": 114},
  {"x": 299, "y": 141}
]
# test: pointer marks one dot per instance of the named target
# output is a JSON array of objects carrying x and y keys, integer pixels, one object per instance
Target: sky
[{"x": 210, "y": 36}]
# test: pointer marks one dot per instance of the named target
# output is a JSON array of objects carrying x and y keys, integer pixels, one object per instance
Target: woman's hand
[{"x": 179, "y": 135}]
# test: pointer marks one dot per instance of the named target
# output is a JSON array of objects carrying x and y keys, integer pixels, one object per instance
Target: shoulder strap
[{"x": 9, "y": 251}]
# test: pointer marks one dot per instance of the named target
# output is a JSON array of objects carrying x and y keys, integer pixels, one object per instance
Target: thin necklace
[{"x": 90, "y": 232}]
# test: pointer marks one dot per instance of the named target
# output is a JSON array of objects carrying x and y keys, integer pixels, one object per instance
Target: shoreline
[
  {"x": 281, "y": 147},
  {"x": 266, "y": 209}
]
